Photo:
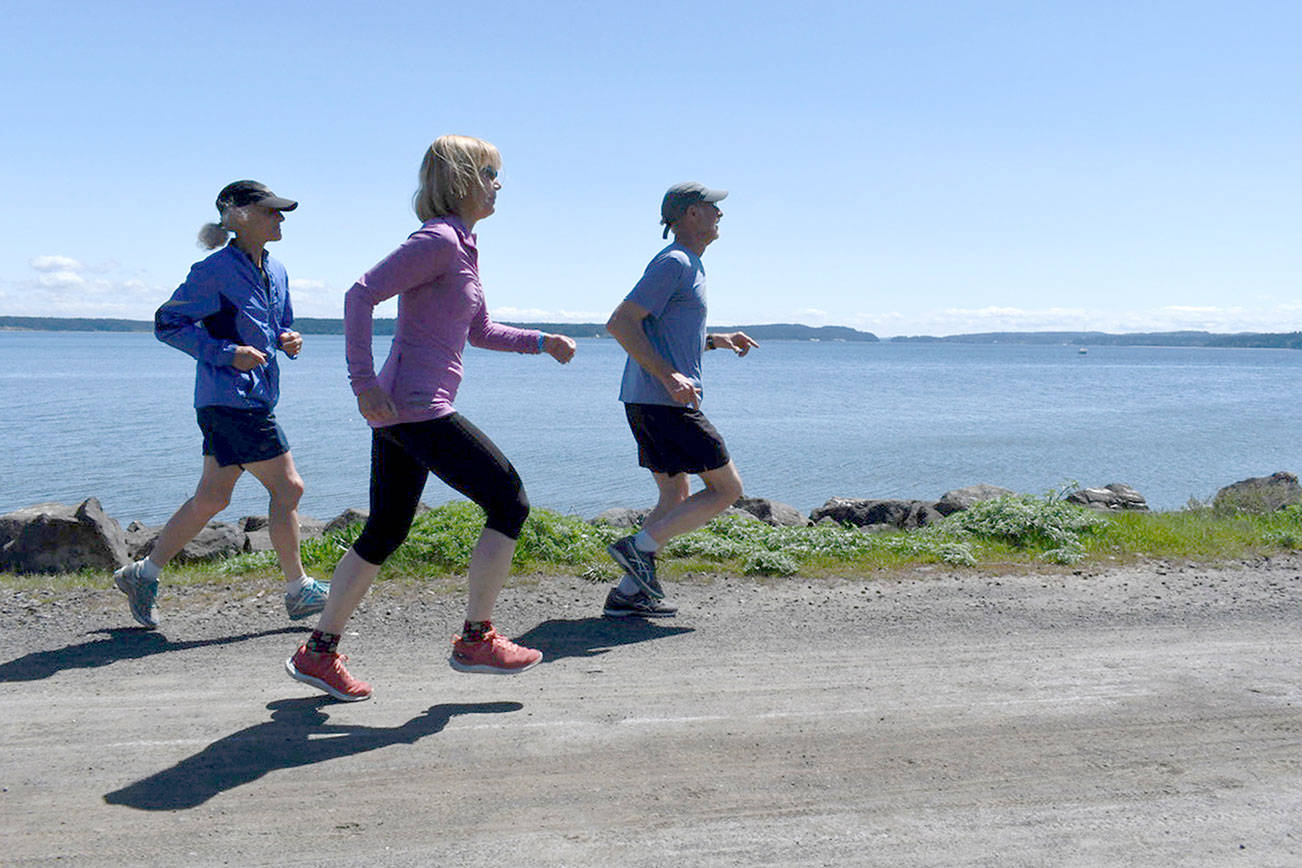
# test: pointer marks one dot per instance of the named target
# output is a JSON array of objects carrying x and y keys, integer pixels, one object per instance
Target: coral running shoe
[
  {"x": 493, "y": 655},
  {"x": 326, "y": 672}
]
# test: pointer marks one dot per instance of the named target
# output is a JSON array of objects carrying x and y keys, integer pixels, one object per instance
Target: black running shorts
[
  {"x": 235, "y": 436},
  {"x": 675, "y": 440}
]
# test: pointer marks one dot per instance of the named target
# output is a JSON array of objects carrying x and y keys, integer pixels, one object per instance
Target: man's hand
[
  {"x": 376, "y": 405},
  {"x": 247, "y": 358},
  {"x": 559, "y": 347},
  {"x": 291, "y": 343},
  {"x": 739, "y": 342},
  {"x": 681, "y": 390}
]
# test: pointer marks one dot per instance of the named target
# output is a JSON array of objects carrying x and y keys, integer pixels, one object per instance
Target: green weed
[{"x": 1015, "y": 529}]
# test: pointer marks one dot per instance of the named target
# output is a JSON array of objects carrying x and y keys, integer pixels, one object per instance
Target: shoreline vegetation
[
  {"x": 767, "y": 331},
  {"x": 1013, "y": 533}
]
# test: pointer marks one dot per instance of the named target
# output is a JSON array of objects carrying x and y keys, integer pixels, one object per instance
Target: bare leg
[
  {"x": 489, "y": 566},
  {"x": 722, "y": 488},
  {"x": 351, "y": 580},
  {"x": 673, "y": 491},
  {"x": 211, "y": 496},
  {"x": 281, "y": 479}
]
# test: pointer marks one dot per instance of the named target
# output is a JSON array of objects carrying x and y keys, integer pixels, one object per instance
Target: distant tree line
[
  {"x": 770, "y": 331},
  {"x": 318, "y": 326}
]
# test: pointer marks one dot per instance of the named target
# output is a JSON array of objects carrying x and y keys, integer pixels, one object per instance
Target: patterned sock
[
  {"x": 474, "y": 631},
  {"x": 323, "y": 643}
]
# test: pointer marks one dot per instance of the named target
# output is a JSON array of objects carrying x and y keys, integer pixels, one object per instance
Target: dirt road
[{"x": 1137, "y": 716}]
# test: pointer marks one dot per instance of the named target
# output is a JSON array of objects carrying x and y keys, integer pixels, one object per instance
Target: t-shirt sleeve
[{"x": 661, "y": 280}]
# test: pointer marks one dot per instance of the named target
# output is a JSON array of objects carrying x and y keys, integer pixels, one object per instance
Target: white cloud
[
  {"x": 317, "y": 298},
  {"x": 65, "y": 286},
  {"x": 533, "y": 314},
  {"x": 57, "y": 263},
  {"x": 1281, "y": 317},
  {"x": 61, "y": 279}
]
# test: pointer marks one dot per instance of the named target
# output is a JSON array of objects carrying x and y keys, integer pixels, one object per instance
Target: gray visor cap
[{"x": 680, "y": 197}]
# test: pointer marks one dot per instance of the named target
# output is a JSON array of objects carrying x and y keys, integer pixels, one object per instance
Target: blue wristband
[{"x": 542, "y": 338}]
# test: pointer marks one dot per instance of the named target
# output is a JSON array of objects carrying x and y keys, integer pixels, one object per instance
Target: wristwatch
[{"x": 709, "y": 342}]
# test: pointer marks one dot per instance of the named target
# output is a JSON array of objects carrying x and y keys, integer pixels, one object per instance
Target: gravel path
[{"x": 1145, "y": 715}]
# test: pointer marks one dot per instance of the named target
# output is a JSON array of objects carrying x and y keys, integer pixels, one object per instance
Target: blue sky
[{"x": 904, "y": 167}]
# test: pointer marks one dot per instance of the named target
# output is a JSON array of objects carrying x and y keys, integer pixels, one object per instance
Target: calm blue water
[{"x": 109, "y": 415}]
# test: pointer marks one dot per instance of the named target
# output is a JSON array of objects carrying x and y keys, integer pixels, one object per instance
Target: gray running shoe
[
  {"x": 639, "y": 605},
  {"x": 140, "y": 592},
  {"x": 307, "y": 600},
  {"x": 639, "y": 564}
]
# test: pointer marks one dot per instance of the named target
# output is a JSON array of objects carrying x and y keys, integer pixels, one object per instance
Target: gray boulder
[
  {"x": 1113, "y": 497},
  {"x": 217, "y": 540},
  {"x": 12, "y": 522},
  {"x": 773, "y": 512},
  {"x": 622, "y": 517},
  {"x": 251, "y": 523},
  {"x": 903, "y": 514},
  {"x": 308, "y": 527},
  {"x": 258, "y": 541},
  {"x": 140, "y": 538},
  {"x": 921, "y": 513},
  {"x": 348, "y": 517},
  {"x": 965, "y": 498},
  {"x": 1260, "y": 493},
  {"x": 734, "y": 512},
  {"x": 57, "y": 538}
]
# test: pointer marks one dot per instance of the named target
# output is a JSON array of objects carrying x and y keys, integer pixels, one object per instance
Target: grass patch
[{"x": 995, "y": 534}]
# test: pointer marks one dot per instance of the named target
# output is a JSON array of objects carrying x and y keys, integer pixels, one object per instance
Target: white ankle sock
[
  {"x": 294, "y": 584},
  {"x": 645, "y": 542},
  {"x": 150, "y": 571},
  {"x": 628, "y": 587}
]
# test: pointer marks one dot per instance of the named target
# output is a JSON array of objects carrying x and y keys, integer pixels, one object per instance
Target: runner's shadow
[
  {"x": 286, "y": 741},
  {"x": 589, "y": 637},
  {"x": 123, "y": 643}
]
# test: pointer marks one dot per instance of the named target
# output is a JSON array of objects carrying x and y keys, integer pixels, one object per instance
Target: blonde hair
[
  {"x": 214, "y": 235},
  {"x": 450, "y": 170}
]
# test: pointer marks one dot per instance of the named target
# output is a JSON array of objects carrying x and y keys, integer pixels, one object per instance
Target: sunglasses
[{"x": 488, "y": 173}]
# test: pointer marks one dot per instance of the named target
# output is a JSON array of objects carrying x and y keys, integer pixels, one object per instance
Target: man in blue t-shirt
[{"x": 661, "y": 325}]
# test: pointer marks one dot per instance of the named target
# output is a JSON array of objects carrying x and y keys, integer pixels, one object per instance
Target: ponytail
[{"x": 213, "y": 235}]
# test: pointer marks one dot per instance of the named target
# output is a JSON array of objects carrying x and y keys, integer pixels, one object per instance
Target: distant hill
[
  {"x": 766, "y": 332},
  {"x": 1289, "y": 340},
  {"x": 317, "y": 326},
  {"x": 763, "y": 332},
  {"x": 64, "y": 324}
]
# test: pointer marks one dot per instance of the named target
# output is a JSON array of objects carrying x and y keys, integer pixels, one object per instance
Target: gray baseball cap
[{"x": 680, "y": 196}]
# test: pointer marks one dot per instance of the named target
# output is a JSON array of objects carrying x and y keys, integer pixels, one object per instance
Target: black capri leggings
[{"x": 456, "y": 452}]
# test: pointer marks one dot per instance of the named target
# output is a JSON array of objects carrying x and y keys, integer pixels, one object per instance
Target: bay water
[{"x": 109, "y": 415}]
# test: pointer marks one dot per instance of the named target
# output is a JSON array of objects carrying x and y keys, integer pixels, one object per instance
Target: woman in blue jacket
[{"x": 232, "y": 314}]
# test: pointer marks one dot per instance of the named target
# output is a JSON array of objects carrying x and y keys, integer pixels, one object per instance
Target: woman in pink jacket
[{"x": 416, "y": 430}]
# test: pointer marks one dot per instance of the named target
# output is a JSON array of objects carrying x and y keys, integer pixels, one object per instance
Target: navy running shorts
[
  {"x": 235, "y": 436},
  {"x": 675, "y": 440}
]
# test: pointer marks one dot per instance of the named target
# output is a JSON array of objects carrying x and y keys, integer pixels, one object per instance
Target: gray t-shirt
[{"x": 673, "y": 290}]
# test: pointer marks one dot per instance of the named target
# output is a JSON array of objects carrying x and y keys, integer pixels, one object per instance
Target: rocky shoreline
[{"x": 59, "y": 538}]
